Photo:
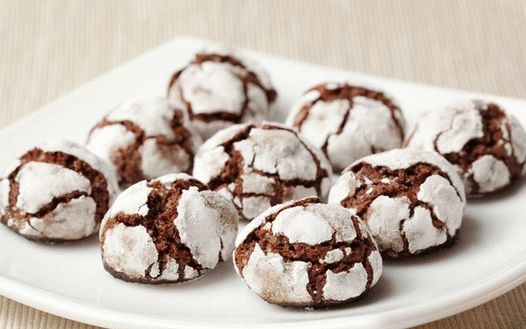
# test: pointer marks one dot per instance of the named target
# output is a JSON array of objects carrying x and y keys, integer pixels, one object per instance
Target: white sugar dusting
[
  {"x": 451, "y": 129},
  {"x": 389, "y": 218},
  {"x": 284, "y": 281},
  {"x": 302, "y": 226},
  {"x": 198, "y": 224},
  {"x": 68, "y": 221},
  {"x": 206, "y": 224},
  {"x": 384, "y": 216},
  {"x": 345, "y": 285},
  {"x": 420, "y": 232},
  {"x": 269, "y": 154},
  {"x": 129, "y": 250},
  {"x": 132, "y": 200},
  {"x": 212, "y": 88},
  {"x": 490, "y": 173},
  {"x": 349, "y": 131},
  {"x": 279, "y": 281},
  {"x": 154, "y": 117},
  {"x": 40, "y": 182},
  {"x": 85, "y": 155},
  {"x": 447, "y": 205}
]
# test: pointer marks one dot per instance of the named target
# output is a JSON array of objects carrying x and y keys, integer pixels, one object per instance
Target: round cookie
[
  {"x": 305, "y": 253},
  {"x": 412, "y": 201},
  {"x": 486, "y": 145},
  {"x": 219, "y": 88},
  {"x": 260, "y": 166},
  {"x": 144, "y": 139},
  {"x": 56, "y": 192},
  {"x": 170, "y": 229},
  {"x": 347, "y": 122}
]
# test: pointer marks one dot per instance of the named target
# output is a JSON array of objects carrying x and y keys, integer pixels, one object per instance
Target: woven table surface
[{"x": 47, "y": 48}]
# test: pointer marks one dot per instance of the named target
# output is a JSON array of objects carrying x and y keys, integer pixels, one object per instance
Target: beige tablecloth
[{"x": 49, "y": 47}]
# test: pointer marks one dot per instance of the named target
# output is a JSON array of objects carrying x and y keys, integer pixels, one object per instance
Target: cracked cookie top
[
  {"x": 169, "y": 229},
  {"x": 412, "y": 200},
  {"x": 219, "y": 88},
  {"x": 307, "y": 254},
  {"x": 258, "y": 166},
  {"x": 486, "y": 145},
  {"x": 56, "y": 192},
  {"x": 347, "y": 122},
  {"x": 144, "y": 139}
]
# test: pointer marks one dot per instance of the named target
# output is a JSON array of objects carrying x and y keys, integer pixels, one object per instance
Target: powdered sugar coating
[
  {"x": 219, "y": 88},
  {"x": 410, "y": 217},
  {"x": 145, "y": 138},
  {"x": 490, "y": 173},
  {"x": 258, "y": 166},
  {"x": 89, "y": 157},
  {"x": 324, "y": 241},
  {"x": 152, "y": 114},
  {"x": 345, "y": 285},
  {"x": 384, "y": 217},
  {"x": 4, "y": 195},
  {"x": 375, "y": 259},
  {"x": 59, "y": 180},
  {"x": 107, "y": 141},
  {"x": 347, "y": 122},
  {"x": 450, "y": 128},
  {"x": 402, "y": 159},
  {"x": 271, "y": 277},
  {"x": 129, "y": 249},
  {"x": 246, "y": 61},
  {"x": 211, "y": 157},
  {"x": 55, "y": 199},
  {"x": 72, "y": 220},
  {"x": 518, "y": 138},
  {"x": 132, "y": 200},
  {"x": 203, "y": 226},
  {"x": 333, "y": 256},
  {"x": 210, "y": 76},
  {"x": 444, "y": 201},
  {"x": 302, "y": 226},
  {"x": 175, "y": 211},
  {"x": 420, "y": 232},
  {"x": 486, "y": 144}
]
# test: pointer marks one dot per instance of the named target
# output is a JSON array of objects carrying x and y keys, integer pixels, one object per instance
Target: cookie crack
[
  {"x": 492, "y": 117},
  {"x": 127, "y": 160},
  {"x": 254, "y": 78},
  {"x": 232, "y": 171},
  {"x": 310, "y": 254},
  {"x": 403, "y": 186},
  {"x": 159, "y": 223},
  {"x": 56, "y": 201},
  {"x": 321, "y": 172},
  {"x": 99, "y": 186},
  {"x": 249, "y": 77},
  {"x": 347, "y": 92}
]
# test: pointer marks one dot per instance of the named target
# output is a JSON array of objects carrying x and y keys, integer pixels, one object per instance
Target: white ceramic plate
[{"x": 68, "y": 280}]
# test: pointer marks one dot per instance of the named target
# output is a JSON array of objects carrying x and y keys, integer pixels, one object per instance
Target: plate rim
[
  {"x": 426, "y": 312},
  {"x": 75, "y": 309}
]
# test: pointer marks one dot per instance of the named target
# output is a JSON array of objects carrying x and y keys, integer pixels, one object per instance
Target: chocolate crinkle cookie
[
  {"x": 169, "y": 229},
  {"x": 347, "y": 122},
  {"x": 412, "y": 201},
  {"x": 144, "y": 139},
  {"x": 219, "y": 88},
  {"x": 258, "y": 166},
  {"x": 305, "y": 253},
  {"x": 56, "y": 192},
  {"x": 486, "y": 145}
]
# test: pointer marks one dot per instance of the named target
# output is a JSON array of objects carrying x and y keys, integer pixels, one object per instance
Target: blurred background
[{"x": 48, "y": 48}]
